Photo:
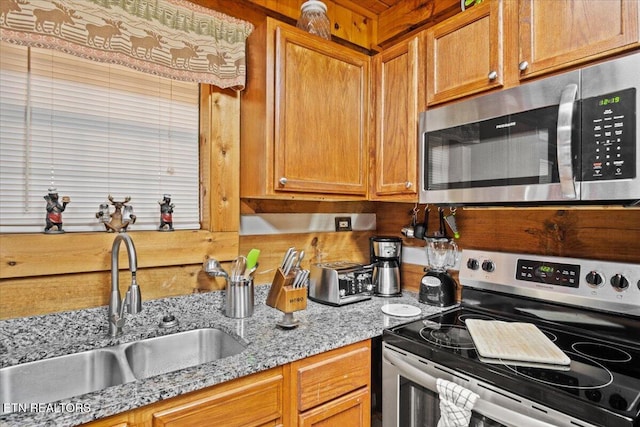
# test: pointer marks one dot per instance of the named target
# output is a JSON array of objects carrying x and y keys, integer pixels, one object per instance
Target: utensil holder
[{"x": 239, "y": 299}]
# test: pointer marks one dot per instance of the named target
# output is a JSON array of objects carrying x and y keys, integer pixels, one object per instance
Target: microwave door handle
[
  {"x": 563, "y": 140},
  {"x": 483, "y": 407}
]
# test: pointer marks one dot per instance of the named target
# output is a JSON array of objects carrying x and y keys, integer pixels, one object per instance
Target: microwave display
[
  {"x": 510, "y": 150},
  {"x": 609, "y": 136}
]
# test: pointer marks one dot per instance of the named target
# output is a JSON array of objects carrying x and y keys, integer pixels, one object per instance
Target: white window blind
[{"x": 91, "y": 130}]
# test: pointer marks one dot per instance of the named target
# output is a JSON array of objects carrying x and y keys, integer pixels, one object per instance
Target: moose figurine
[{"x": 118, "y": 222}]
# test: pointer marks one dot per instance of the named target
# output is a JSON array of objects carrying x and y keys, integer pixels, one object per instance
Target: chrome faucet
[{"x": 132, "y": 300}]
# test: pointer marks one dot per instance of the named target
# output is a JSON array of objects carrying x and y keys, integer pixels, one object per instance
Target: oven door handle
[
  {"x": 483, "y": 407},
  {"x": 563, "y": 142}
]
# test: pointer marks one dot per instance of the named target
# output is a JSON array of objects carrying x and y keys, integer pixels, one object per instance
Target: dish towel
[{"x": 456, "y": 403}]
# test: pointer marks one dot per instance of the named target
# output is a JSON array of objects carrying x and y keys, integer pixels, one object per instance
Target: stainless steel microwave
[{"x": 572, "y": 137}]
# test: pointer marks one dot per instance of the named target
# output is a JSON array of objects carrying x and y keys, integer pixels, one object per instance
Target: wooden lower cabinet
[
  {"x": 255, "y": 403},
  {"x": 252, "y": 401},
  {"x": 332, "y": 388},
  {"x": 329, "y": 389}
]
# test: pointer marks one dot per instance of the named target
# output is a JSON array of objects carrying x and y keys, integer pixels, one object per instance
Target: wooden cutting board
[{"x": 514, "y": 341}]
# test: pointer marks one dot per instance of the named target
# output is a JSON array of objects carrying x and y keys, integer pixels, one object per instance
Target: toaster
[{"x": 340, "y": 282}]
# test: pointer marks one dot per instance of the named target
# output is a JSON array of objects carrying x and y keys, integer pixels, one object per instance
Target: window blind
[{"x": 91, "y": 130}]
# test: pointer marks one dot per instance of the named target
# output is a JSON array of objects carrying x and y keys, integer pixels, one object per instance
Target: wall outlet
[{"x": 343, "y": 223}]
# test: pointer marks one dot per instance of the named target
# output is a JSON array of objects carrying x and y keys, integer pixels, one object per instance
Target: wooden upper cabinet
[
  {"x": 399, "y": 88},
  {"x": 560, "y": 33},
  {"x": 465, "y": 53},
  {"x": 304, "y": 117}
]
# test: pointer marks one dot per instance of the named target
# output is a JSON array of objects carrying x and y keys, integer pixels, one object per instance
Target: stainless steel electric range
[{"x": 590, "y": 309}]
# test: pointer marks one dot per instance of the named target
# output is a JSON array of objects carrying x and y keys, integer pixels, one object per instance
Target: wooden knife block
[{"x": 283, "y": 296}]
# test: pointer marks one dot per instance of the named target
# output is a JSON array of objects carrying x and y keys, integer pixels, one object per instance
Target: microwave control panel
[{"x": 609, "y": 136}]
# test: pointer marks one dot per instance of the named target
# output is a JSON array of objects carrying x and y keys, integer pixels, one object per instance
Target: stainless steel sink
[
  {"x": 155, "y": 356},
  {"x": 62, "y": 377},
  {"x": 67, "y": 376}
]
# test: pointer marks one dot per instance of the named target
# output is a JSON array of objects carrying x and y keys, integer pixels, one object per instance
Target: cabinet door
[
  {"x": 399, "y": 92},
  {"x": 559, "y": 33},
  {"x": 321, "y": 108},
  {"x": 465, "y": 53},
  {"x": 352, "y": 410}
]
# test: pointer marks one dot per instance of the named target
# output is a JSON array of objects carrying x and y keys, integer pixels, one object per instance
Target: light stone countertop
[{"x": 322, "y": 328}]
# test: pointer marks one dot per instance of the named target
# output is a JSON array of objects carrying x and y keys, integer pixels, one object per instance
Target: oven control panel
[
  {"x": 602, "y": 285},
  {"x": 551, "y": 273}
]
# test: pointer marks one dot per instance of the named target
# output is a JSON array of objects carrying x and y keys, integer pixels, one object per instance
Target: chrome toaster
[{"x": 340, "y": 282}]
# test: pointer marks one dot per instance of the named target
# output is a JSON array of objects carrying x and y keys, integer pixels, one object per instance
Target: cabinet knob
[
  {"x": 523, "y": 65},
  {"x": 493, "y": 75},
  {"x": 408, "y": 184},
  {"x": 283, "y": 181}
]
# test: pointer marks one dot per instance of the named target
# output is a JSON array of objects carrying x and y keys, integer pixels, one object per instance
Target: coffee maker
[
  {"x": 386, "y": 255},
  {"x": 437, "y": 287}
]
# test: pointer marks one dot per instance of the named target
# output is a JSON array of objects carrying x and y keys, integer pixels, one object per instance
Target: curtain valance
[{"x": 170, "y": 38}]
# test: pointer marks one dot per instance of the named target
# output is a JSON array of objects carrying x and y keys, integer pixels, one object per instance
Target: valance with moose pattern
[{"x": 170, "y": 38}]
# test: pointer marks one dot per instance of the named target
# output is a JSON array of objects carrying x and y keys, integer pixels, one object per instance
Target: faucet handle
[{"x": 117, "y": 320}]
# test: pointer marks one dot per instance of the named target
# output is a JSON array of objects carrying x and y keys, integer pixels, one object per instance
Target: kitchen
[{"x": 603, "y": 232}]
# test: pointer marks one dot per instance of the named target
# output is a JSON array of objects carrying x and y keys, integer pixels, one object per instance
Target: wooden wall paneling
[
  {"x": 601, "y": 232},
  {"x": 32, "y": 296},
  {"x": 348, "y": 22},
  {"x": 611, "y": 234},
  {"x": 220, "y": 155},
  {"x": 352, "y": 26},
  {"x": 407, "y": 15},
  {"x": 28, "y": 255},
  {"x": 318, "y": 247}
]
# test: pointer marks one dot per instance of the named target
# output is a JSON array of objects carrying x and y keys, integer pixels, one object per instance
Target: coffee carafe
[
  {"x": 437, "y": 287},
  {"x": 385, "y": 256}
]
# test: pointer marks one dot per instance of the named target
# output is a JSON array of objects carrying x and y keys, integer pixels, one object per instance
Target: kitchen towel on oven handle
[
  {"x": 456, "y": 403},
  {"x": 483, "y": 407}
]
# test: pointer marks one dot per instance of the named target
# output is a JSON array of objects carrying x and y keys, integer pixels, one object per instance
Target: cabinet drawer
[
  {"x": 350, "y": 410},
  {"x": 326, "y": 376},
  {"x": 254, "y": 404}
]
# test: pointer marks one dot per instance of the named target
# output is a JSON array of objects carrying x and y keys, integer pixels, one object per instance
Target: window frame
[{"x": 33, "y": 254}]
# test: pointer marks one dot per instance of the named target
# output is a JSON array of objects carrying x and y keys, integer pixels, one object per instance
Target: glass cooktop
[{"x": 600, "y": 385}]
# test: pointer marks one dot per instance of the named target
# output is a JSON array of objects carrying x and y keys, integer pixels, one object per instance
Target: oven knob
[
  {"x": 619, "y": 282},
  {"x": 488, "y": 265},
  {"x": 594, "y": 279},
  {"x": 618, "y": 402},
  {"x": 593, "y": 395},
  {"x": 473, "y": 264}
]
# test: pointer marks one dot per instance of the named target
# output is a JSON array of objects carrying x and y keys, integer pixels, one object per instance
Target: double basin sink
[{"x": 50, "y": 380}]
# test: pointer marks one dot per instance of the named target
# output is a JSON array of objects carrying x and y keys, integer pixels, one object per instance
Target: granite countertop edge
[{"x": 321, "y": 328}]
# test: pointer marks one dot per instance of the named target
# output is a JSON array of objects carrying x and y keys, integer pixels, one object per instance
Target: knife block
[{"x": 282, "y": 296}]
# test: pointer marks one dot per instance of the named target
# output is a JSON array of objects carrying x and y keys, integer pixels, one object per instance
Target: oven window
[
  {"x": 420, "y": 407},
  {"x": 513, "y": 150}
]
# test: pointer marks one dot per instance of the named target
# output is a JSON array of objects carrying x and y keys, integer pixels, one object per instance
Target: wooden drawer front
[
  {"x": 333, "y": 374},
  {"x": 350, "y": 410},
  {"x": 259, "y": 404}
]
